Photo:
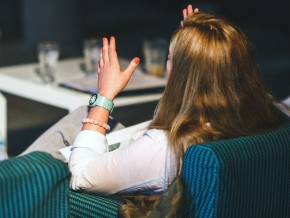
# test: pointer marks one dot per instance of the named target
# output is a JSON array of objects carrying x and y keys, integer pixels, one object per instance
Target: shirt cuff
[{"x": 91, "y": 140}]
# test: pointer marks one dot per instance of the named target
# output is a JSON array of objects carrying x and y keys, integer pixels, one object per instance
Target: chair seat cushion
[{"x": 87, "y": 205}]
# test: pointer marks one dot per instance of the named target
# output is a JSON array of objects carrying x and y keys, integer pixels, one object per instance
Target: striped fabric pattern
[
  {"x": 86, "y": 205},
  {"x": 34, "y": 185},
  {"x": 200, "y": 179},
  {"x": 255, "y": 180},
  {"x": 247, "y": 177}
]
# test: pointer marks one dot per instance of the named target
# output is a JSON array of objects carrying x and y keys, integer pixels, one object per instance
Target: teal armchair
[{"x": 242, "y": 177}]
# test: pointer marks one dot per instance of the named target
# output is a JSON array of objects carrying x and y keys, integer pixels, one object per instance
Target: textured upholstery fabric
[
  {"x": 200, "y": 178},
  {"x": 85, "y": 205},
  {"x": 242, "y": 177},
  {"x": 35, "y": 185}
]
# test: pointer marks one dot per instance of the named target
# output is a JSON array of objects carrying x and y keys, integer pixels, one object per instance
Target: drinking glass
[
  {"x": 48, "y": 54},
  {"x": 91, "y": 49},
  {"x": 155, "y": 53}
]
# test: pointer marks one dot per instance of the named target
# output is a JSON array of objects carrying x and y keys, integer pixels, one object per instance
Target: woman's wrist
[
  {"x": 107, "y": 94},
  {"x": 101, "y": 115},
  {"x": 101, "y": 101}
]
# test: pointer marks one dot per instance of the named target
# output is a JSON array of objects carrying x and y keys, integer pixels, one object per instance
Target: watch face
[{"x": 93, "y": 99}]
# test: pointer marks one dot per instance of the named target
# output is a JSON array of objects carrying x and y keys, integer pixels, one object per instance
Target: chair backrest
[{"x": 242, "y": 177}]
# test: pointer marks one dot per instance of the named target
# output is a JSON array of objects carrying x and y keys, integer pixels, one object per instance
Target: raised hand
[
  {"x": 187, "y": 11},
  {"x": 111, "y": 79}
]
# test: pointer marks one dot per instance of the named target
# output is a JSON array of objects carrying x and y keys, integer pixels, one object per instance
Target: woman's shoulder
[
  {"x": 156, "y": 132},
  {"x": 157, "y": 135},
  {"x": 149, "y": 140}
]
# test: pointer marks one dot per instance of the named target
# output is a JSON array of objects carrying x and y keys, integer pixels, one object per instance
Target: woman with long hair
[{"x": 214, "y": 92}]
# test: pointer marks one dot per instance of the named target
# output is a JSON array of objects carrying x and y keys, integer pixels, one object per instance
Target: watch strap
[{"x": 103, "y": 102}]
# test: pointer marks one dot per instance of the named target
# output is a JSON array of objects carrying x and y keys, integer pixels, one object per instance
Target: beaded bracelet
[{"x": 95, "y": 122}]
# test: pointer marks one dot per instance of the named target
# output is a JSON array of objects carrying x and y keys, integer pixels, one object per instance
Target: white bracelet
[{"x": 95, "y": 122}]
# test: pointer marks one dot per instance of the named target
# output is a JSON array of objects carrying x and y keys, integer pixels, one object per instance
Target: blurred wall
[{"x": 24, "y": 23}]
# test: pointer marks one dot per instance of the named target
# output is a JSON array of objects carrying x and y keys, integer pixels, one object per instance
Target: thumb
[{"x": 132, "y": 66}]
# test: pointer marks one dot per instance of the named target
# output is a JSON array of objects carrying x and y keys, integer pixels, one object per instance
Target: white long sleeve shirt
[{"x": 146, "y": 164}]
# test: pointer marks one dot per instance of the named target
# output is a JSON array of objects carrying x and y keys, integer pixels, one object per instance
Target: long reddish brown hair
[{"x": 214, "y": 90}]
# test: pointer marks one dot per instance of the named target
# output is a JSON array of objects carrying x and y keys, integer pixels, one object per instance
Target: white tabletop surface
[{"x": 21, "y": 80}]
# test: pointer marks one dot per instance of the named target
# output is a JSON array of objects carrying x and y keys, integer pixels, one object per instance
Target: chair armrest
[{"x": 34, "y": 185}]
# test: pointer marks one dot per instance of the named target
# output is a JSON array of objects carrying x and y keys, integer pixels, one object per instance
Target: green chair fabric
[
  {"x": 85, "y": 205},
  {"x": 242, "y": 177},
  {"x": 200, "y": 178},
  {"x": 37, "y": 185},
  {"x": 34, "y": 185}
]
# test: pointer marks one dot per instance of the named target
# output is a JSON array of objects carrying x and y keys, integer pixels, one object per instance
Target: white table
[
  {"x": 21, "y": 80},
  {"x": 3, "y": 118}
]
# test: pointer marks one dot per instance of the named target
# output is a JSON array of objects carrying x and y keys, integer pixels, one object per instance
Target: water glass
[
  {"x": 48, "y": 54},
  {"x": 155, "y": 53},
  {"x": 91, "y": 49}
]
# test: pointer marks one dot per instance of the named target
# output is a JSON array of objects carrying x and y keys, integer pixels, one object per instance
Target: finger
[
  {"x": 184, "y": 12},
  {"x": 101, "y": 61},
  {"x": 105, "y": 50},
  {"x": 132, "y": 66},
  {"x": 112, "y": 42},
  {"x": 99, "y": 69},
  {"x": 181, "y": 23},
  {"x": 112, "y": 49},
  {"x": 196, "y": 10},
  {"x": 189, "y": 9}
]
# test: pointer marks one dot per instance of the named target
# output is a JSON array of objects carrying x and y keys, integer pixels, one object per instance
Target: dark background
[{"x": 24, "y": 23}]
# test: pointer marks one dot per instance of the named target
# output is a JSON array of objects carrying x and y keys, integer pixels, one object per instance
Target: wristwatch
[{"x": 101, "y": 101}]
